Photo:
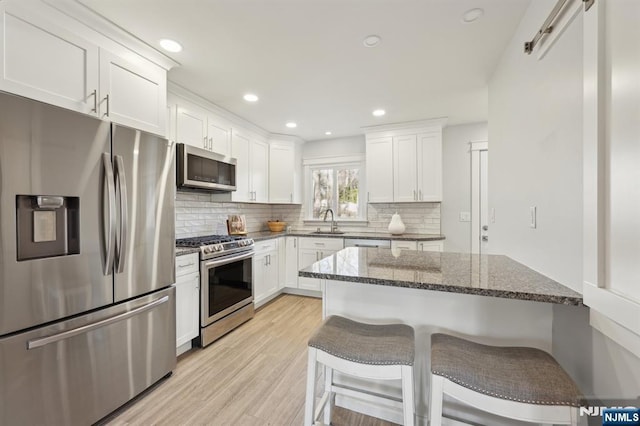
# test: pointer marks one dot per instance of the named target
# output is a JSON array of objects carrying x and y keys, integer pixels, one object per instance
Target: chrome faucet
[{"x": 334, "y": 224}]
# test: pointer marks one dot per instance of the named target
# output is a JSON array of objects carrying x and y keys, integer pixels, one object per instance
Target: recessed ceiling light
[
  {"x": 327, "y": 133},
  {"x": 472, "y": 15},
  {"x": 250, "y": 97},
  {"x": 170, "y": 45},
  {"x": 371, "y": 40},
  {"x": 379, "y": 112},
  {"x": 291, "y": 125}
]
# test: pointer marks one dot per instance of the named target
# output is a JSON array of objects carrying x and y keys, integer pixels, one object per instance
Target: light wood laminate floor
[{"x": 255, "y": 375}]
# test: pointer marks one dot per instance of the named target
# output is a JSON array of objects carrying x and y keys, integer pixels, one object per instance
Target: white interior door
[{"x": 479, "y": 198}]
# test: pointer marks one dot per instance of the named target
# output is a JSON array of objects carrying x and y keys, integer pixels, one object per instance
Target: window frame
[{"x": 335, "y": 163}]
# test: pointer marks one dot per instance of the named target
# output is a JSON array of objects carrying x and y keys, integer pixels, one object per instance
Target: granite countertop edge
[
  {"x": 266, "y": 235},
  {"x": 504, "y": 294}
]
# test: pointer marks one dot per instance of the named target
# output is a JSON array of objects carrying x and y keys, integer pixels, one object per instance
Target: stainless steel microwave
[{"x": 197, "y": 168}]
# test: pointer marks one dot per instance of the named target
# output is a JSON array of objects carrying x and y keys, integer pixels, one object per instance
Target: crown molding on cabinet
[
  {"x": 182, "y": 92},
  {"x": 90, "y": 23},
  {"x": 279, "y": 137},
  {"x": 408, "y": 127}
]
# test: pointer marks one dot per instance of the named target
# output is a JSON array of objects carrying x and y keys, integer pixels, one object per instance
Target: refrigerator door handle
[
  {"x": 111, "y": 197},
  {"x": 121, "y": 241},
  {"x": 36, "y": 343}
]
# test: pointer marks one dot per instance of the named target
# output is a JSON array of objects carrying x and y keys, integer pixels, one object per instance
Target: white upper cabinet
[
  {"x": 191, "y": 125},
  {"x": 42, "y": 61},
  {"x": 198, "y": 127},
  {"x": 133, "y": 92},
  {"x": 405, "y": 168},
  {"x": 430, "y": 166},
  {"x": 259, "y": 171},
  {"x": 219, "y": 135},
  {"x": 252, "y": 168},
  {"x": 285, "y": 173},
  {"x": 379, "y": 170},
  {"x": 417, "y": 165},
  {"x": 240, "y": 151},
  {"x": 404, "y": 164}
]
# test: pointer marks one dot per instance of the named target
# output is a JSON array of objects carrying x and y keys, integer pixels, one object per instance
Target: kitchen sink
[{"x": 326, "y": 232}]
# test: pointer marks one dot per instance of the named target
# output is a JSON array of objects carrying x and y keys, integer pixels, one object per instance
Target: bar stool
[
  {"x": 371, "y": 351},
  {"x": 520, "y": 383}
]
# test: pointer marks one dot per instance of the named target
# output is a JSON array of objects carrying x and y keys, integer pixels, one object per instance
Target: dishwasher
[{"x": 362, "y": 242}]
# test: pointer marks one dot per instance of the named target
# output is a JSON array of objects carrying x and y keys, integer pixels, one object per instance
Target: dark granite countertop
[
  {"x": 484, "y": 275},
  {"x": 265, "y": 235}
]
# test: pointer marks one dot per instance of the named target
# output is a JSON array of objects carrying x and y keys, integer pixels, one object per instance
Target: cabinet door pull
[
  {"x": 294, "y": 242},
  {"x": 368, "y": 197},
  {"x": 420, "y": 194},
  {"x": 95, "y": 100},
  {"x": 291, "y": 197},
  {"x": 414, "y": 195},
  {"x": 186, "y": 265},
  {"x": 421, "y": 246},
  {"x": 107, "y": 100}
]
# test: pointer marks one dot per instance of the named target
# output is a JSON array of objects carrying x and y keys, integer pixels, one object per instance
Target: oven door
[{"x": 226, "y": 285}]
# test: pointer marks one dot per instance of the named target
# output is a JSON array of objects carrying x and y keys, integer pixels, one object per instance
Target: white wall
[
  {"x": 334, "y": 147},
  {"x": 456, "y": 183},
  {"x": 535, "y": 132}
]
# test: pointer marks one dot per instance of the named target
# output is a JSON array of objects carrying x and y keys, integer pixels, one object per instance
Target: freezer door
[
  {"x": 56, "y": 155},
  {"x": 78, "y": 371},
  {"x": 145, "y": 194}
]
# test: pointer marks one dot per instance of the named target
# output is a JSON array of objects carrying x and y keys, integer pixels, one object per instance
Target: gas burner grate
[{"x": 205, "y": 240}]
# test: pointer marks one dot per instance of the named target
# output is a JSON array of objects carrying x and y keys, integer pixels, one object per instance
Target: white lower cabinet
[
  {"x": 187, "y": 300},
  {"x": 265, "y": 272},
  {"x": 291, "y": 262},
  {"x": 436, "y": 245},
  {"x": 431, "y": 245},
  {"x": 312, "y": 250}
]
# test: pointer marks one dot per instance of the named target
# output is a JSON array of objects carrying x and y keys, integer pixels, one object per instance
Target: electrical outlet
[
  {"x": 465, "y": 217},
  {"x": 533, "y": 217}
]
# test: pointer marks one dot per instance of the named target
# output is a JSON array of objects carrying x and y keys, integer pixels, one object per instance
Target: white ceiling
[{"x": 306, "y": 61}]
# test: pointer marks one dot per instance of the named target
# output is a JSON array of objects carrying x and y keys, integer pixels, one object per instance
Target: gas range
[{"x": 212, "y": 246}]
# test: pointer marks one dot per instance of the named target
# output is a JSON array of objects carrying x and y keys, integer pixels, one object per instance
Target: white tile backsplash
[{"x": 197, "y": 214}]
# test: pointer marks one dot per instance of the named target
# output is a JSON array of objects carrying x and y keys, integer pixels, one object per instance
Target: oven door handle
[{"x": 226, "y": 260}]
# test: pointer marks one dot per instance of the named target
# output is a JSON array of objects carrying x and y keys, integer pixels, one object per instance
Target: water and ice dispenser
[{"x": 47, "y": 226}]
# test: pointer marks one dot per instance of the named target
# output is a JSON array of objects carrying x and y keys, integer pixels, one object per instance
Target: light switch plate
[
  {"x": 465, "y": 217},
  {"x": 534, "y": 219}
]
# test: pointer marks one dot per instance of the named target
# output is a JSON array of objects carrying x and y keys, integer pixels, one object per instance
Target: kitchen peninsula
[{"x": 487, "y": 298}]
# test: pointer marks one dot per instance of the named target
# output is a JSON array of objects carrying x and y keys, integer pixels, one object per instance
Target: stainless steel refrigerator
[{"x": 87, "y": 311}]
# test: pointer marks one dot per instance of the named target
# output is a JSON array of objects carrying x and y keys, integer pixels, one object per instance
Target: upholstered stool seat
[
  {"x": 518, "y": 382},
  {"x": 371, "y": 351}
]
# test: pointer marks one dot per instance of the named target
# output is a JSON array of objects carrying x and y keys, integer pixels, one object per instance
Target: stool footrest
[{"x": 367, "y": 396}]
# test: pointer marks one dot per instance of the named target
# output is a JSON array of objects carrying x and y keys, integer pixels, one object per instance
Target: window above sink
[{"x": 335, "y": 183}]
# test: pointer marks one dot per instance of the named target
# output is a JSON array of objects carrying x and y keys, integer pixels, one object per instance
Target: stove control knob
[
  {"x": 217, "y": 247},
  {"x": 206, "y": 250}
]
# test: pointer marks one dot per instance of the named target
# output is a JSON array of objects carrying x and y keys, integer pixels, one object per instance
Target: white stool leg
[
  {"x": 310, "y": 401},
  {"x": 328, "y": 382},
  {"x": 407, "y": 394},
  {"x": 435, "y": 408},
  {"x": 575, "y": 417}
]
